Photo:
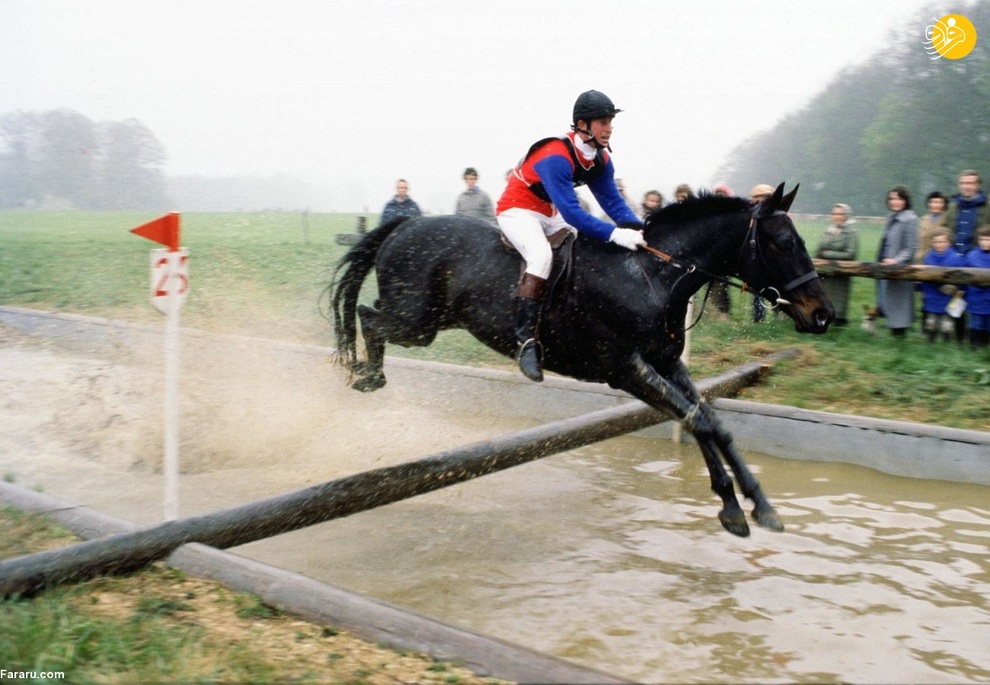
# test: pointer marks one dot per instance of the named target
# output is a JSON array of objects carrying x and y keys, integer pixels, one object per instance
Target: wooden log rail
[
  {"x": 116, "y": 554},
  {"x": 904, "y": 272}
]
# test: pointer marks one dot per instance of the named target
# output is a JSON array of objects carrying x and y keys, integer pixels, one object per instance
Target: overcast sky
[{"x": 351, "y": 95}]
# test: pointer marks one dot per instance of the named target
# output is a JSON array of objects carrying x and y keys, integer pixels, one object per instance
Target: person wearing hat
[
  {"x": 539, "y": 201},
  {"x": 759, "y": 193},
  {"x": 474, "y": 201}
]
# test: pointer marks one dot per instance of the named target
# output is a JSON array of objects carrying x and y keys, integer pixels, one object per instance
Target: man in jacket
[
  {"x": 401, "y": 204},
  {"x": 474, "y": 201},
  {"x": 966, "y": 213}
]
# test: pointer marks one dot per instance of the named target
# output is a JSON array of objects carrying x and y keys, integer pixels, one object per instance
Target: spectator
[
  {"x": 967, "y": 212},
  {"x": 718, "y": 291},
  {"x": 978, "y": 298},
  {"x": 621, "y": 187},
  {"x": 895, "y": 299},
  {"x": 474, "y": 201},
  {"x": 931, "y": 223},
  {"x": 934, "y": 297},
  {"x": 840, "y": 242},
  {"x": 401, "y": 204},
  {"x": 652, "y": 201},
  {"x": 758, "y": 194},
  {"x": 683, "y": 192}
]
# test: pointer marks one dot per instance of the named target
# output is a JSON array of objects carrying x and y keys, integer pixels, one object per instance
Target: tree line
[
  {"x": 901, "y": 118},
  {"x": 61, "y": 159}
]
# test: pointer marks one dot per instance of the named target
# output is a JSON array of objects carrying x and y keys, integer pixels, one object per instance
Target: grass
[
  {"x": 263, "y": 274},
  {"x": 160, "y": 626}
]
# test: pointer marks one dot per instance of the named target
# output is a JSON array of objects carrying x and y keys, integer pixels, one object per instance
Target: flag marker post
[{"x": 169, "y": 287}]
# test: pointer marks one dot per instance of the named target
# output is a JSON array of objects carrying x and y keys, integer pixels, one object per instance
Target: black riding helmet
[{"x": 592, "y": 105}]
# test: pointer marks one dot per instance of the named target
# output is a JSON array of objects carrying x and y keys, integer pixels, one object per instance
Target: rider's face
[{"x": 600, "y": 130}]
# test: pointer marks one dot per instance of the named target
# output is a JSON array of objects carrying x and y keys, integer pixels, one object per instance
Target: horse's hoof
[
  {"x": 734, "y": 523},
  {"x": 370, "y": 383},
  {"x": 767, "y": 518}
]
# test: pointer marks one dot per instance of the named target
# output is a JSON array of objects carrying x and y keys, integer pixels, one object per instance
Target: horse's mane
[{"x": 704, "y": 205}]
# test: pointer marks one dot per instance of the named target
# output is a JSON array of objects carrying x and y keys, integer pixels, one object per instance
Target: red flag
[{"x": 164, "y": 230}]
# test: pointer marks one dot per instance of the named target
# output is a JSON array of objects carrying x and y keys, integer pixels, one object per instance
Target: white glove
[{"x": 627, "y": 238}]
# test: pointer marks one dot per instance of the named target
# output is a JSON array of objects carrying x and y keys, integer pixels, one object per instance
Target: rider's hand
[{"x": 627, "y": 238}]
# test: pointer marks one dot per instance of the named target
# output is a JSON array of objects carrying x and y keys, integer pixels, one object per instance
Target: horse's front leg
[
  {"x": 763, "y": 512},
  {"x": 659, "y": 392}
]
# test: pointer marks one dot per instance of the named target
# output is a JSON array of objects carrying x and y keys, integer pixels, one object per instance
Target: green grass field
[{"x": 263, "y": 274}]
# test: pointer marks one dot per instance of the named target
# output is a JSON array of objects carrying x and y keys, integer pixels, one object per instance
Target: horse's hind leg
[
  {"x": 763, "y": 512},
  {"x": 659, "y": 392},
  {"x": 371, "y": 372}
]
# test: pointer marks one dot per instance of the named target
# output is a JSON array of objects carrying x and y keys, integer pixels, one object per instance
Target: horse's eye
[{"x": 784, "y": 243}]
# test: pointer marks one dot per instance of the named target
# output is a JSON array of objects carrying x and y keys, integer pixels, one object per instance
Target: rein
[{"x": 751, "y": 240}]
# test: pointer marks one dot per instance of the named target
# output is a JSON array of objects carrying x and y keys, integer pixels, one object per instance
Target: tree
[
  {"x": 61, "y": 158},
  {"x": 130, "y": 167},
  {"x": 899, "y": 119}
]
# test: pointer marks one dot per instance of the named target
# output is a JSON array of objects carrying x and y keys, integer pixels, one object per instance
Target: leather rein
[{"x": 752, "y": 242}]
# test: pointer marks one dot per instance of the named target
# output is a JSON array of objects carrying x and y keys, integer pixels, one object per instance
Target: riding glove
[{"x": 627, "y": 238}]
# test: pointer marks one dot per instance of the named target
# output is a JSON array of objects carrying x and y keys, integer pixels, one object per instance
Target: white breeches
[{"x": 527, "y": 231}]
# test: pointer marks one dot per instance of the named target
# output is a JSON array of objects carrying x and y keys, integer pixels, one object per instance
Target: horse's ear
[
  {"x": 771, "y": 204},
  {"x": 785, "y": 203}
]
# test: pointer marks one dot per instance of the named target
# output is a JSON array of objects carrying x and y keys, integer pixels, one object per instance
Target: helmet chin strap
[{"x": 591, "y": 138}]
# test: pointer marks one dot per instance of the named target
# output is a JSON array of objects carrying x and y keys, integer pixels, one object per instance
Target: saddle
[{"x": 562, "y": 244}]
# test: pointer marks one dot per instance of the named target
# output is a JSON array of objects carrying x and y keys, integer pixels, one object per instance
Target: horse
[{"x": 613, "y": 316}]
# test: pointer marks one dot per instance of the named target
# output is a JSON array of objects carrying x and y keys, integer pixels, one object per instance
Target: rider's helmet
[{"x": 592, "y": 105}]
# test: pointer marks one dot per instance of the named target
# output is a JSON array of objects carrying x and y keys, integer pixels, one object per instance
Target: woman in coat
[
  {"x": 840, "y": 243},
  {"x": 898, "y": 245}
]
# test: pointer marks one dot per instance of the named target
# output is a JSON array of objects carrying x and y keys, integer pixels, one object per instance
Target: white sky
[{"x": 350, "y": 95}]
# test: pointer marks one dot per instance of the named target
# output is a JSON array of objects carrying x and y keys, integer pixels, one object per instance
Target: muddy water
[{"x": 611, "y": 556}]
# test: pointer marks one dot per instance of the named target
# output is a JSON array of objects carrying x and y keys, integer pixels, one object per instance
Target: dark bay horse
[{"x": 617, "y": 318}]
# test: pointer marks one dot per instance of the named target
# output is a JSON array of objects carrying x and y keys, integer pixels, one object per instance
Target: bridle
[
  {"x": 750, "y": 254},
  {"x": 752, "y": 242}
]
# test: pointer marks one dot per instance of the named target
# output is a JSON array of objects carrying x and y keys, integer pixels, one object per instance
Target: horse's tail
[{"x": 356, "y": 265}]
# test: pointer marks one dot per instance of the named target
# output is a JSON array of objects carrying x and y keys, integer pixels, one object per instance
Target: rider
[{"x": 540, "y": 200}]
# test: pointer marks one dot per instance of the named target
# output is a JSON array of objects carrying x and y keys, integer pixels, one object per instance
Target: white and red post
[{"x": 169, "y": 287}]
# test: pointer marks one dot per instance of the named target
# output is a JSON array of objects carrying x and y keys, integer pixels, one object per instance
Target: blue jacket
[
  {"x": 932, "y": 299},
  {"x": 963, "y": 217},
  {"x": 978, "y": 299},
  {"x": 394, "y": 208}
]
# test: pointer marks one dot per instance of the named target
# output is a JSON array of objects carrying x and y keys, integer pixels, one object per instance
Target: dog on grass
[{"x": 870, "y": 316}]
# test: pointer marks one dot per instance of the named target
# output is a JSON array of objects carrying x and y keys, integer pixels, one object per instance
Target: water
[{"x": 611, "y": 556}]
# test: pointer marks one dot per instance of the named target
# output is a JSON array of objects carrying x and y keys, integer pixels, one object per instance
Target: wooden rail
[{"x": 904, "y": 272}]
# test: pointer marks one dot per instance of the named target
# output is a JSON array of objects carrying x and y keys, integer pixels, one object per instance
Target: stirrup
[{"x": 531, "y": 374}]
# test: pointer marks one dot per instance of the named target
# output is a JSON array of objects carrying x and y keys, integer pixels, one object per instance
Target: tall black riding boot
[{"x": 528, "y": 307}]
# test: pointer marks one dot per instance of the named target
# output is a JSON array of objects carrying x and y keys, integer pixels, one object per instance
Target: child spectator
[
  {"x": 977, "y": 298},
  {"x": 934, "y": 297}
]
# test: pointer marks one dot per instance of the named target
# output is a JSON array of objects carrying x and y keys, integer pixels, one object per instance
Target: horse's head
[{"x": 775, "y": 263}]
